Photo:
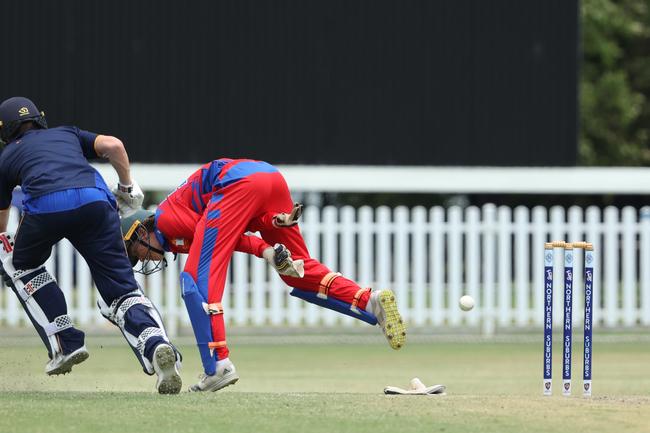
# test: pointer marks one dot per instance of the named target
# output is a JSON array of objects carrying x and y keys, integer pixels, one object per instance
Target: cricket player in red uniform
[{"x": 207, "y": 218}]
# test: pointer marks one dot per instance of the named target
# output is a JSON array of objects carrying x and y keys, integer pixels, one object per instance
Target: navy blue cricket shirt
[{"x": 51, "y": 166}]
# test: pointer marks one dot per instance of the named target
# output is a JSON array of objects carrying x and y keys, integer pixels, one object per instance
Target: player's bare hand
[
  {"x": 288, "y": 219},
  {"x": 279, "y": 257}
]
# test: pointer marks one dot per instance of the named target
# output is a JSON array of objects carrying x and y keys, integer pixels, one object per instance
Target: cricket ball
[{"x": 466, "y": 302}]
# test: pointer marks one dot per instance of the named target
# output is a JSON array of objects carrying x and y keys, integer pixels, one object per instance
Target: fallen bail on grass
[{"x": 549, "y": 252}]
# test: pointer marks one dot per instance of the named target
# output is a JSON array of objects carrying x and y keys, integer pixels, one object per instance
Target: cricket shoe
[
  {"x": 383, "y": 305},
  {"x": 62, "y": 364},
  {"x": 164, "y": 364},
  {"x": 224, "y": 376}
]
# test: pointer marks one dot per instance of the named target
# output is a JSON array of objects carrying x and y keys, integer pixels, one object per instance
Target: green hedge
[{"x": 615, "y": 82}]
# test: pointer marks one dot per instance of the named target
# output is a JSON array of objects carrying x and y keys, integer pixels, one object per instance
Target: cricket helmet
[
  {"x": 16, "y": 111},
  {"x": 130, "y": 223},
  {"x": 130, "y": 232}
]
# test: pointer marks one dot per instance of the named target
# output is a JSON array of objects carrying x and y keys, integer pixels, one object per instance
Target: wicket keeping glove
[
  {"x": 288, "y": 219},
  {"x": 416, "y": 388},
  {"x": 279, "y": 257}
]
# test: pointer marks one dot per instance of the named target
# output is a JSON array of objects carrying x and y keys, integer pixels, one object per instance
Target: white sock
[{"x": 372, "y": 301}]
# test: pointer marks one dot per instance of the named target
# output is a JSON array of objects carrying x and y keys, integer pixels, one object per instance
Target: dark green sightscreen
[{"x": 462, "y": 82}]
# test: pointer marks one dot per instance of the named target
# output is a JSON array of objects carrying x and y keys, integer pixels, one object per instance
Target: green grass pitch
[{"x": 491, "y": 387}]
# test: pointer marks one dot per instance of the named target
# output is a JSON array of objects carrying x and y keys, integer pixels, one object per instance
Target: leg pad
[
  {"x": 199, "y": 311},
  {"x": 335, "y": 305},
  {"x": 140, "y": 323},
  {"x": 25, "y": 283}
]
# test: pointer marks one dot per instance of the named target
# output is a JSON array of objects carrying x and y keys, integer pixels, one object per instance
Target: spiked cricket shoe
[
  {"x": 383, "y": 305},
  {"x": 225, "y": 375},
  {"x": 62, "y": 364},
  {"x": 164, "y": 364}
]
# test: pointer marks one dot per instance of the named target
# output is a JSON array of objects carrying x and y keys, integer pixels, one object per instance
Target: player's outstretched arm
[
  {"x": 127, "y": 192},
  {"x": 112, "y": 148},
  {"x": 278, "y": 256}
]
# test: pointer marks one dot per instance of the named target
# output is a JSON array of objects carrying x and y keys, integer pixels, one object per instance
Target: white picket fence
[{"x": 429, "y": 257}]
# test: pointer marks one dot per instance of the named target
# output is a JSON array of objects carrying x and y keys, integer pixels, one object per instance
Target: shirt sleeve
[
  {"x": 251, "y": 244},
  {"x": 87, "y": 142}
]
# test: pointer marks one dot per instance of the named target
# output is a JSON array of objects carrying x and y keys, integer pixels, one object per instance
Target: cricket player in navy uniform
[
  {"x": 206, "y": 218},
  {"x": 64, "y": 197}
]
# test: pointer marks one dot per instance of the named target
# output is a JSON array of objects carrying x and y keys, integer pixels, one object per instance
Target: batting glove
[
  {"x": 124, "y": 209},
  {"x": 129, "y": 195}
]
